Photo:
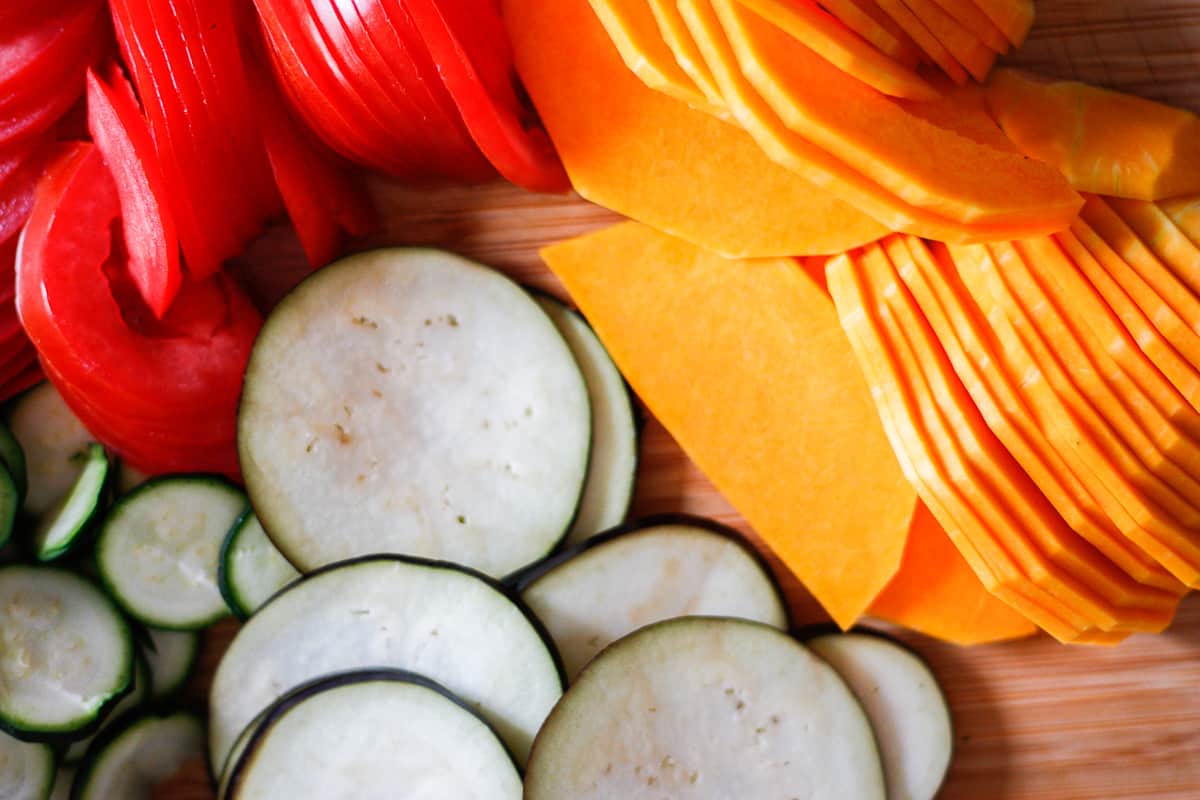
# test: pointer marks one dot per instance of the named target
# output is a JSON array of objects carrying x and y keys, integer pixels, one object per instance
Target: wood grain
[{"x": 1034, "y": 720}]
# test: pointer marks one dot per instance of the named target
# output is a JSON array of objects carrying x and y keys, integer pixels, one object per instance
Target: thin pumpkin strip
[
  {"x": 965, "y": 181},
  {"x": 1105, "y": 142},
  {"x": 632, "y": 29},
  {"x": 754, "y": 378},
  {"x": 1080, "y": 436},
  {"x": 906, "y": 430},
  {"x": 1096, "y": 327},
  {"x": 718, "y": 189},
  {"x": 972, "y": 18},
  {"x": 1164, "y": 238},
  {"x": 1109, "y": 225},
  {"x": 1178, "y": 370},
  {"x": 966, "y": 48},
  {"x": 841, "y": 47},
  {"x": 936, "y": 592},
  {"x": 1185, "y": 213},
  {"x": 796, "y": 153},
  {"x": 1056, "y": 558},
  {"x": 963, "y": 109},
  {"x": 1032, "y": 312},
  {"x": 1012, "y": 17},
  {"x": 929, "y": 44},
  {"x": 865, "y": 19},
  {"x": 972, "y": 351},
  {"x": 680, "y": 43}
]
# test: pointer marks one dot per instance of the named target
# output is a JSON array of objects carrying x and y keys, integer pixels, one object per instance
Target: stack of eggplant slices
[{"x": 440, "y": 594}]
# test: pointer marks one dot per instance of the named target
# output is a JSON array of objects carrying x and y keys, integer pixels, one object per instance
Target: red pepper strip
[
  {"x": 468, "y": 43},
  {"x": 160, "y": 104},
  {"x": 321, "y": 198},
  {"x": 123, "y": 138},
  {"x": 113, "y": 354},
  {"x": 16, "y": 14},
  {"x": 30, "y": 52},
  {"x": 16, "y": 192}
]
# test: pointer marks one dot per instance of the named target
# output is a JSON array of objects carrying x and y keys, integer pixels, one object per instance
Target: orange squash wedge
[
  {"x": 1182, "y": 374},
  {"x": 824, "y": 35},
  {"x": 971, "y": 17},
  {"x": 936, "y": 592},
  {"x": 972, "y": 352},
  {"x": 675, "y": 34},
  {"x": 1141, "y": 506},
  {"x": 1105, "y": 142},
  {"x": 1163, "y": 237},
  {"x": 1055, "y": 557},
  {"x": 929, "y": 44},
  {"x": 913, "y": 426},
  {"x": 864, "y": 18},
  {"x": 1033, "y": 313},
  {"x": 754, "y": 378},
  {"x": 1185, "y": 213},
  {"x": 925, "y": 165},
  {"x": 1012, "y": 17},
  {"x": 796, "y": 153},
  {"x": 633, "y": 31},
  {"x": 717, "y": 189},
  {"x": 966, "y": 48}
]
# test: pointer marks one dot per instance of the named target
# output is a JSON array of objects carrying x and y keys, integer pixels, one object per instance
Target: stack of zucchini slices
[{"x": 438, "y": 589}]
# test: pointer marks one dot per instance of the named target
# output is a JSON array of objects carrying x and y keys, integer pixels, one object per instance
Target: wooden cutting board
[{"x": 1034, "y": 720}]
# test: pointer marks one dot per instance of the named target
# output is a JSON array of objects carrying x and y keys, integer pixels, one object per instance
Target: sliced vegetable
[
  {"x": 12, "y": 456},
  {"x": 409, "y": 401},
  {"x": 970, "y": 183},
  {"x": 132, "y": 760},
  {"x": 26, "y": 769},
  {"x": 159, "y": 549},
  {"x": 252, "y": 568},
  {"x": 936, "y": 592},
  {"x": 371, "y": 727},
  {"x": 966, "y": 48},
  {"x": 741, "y": 404},
  {"x": 64, "y": 779},
  {"x": 590, "y": 596},
  {"x": 1013, "y": 17},
  {"x": 613, "y": 460},
  {"x": 171, "y": 656},
  {"x": 717, "y": 190},
  {"x": 815, "y": 30},
  {"x": 433, "y": 619},
  {"x": 935, "y": 52},
  {"x": 55, "y": 445},
  {"x": 904, "y": 704},
  {"x": 123, "y": 138},
  {"x": 68, "y": 653},
  {"x": 1103, "y": 141},
  {"x": 139, "y": 693},
  {"x": 64, "y": 528},
  {"x": 675, "y": 33},
  {"x": 640, "y": 721},
  {"x": 972, "y": 17},
  {"x": 868, "y": 21}
]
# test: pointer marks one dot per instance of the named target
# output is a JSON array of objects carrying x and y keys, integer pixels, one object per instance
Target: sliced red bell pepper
[
  {"x": 123, "y": 138},
  {"x": 33, "y": 55},
  {"x": 112, "y": 352},
  {"x": 18, "y": 180},
  {"x": 467, "y": 41}
]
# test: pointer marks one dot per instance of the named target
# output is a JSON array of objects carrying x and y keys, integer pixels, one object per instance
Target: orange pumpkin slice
[
  {"x": 717, "y": 188},
  {"x": 1141, "y": 506},
  {"x": 929, "y": 44},
  {"x": 1163, "y": 237},
  {"x": 936, "y": 592},
  {"x": 972, "y": 352},
  {"x": 971, "y": 17},
  {"x": 1013, "y": 17},
  {"x": 966, "y": 48},
  {"x": 680, "y": 43},
  {"x": 925, "y": 165},
  {"x": 841, "y": 47},
  {"x": 1056, "y": 558},
  {"x": 1103, "y": 141},
  {"x": 635, "y": 34},
  {"x": 864, "y": 18},
  {"x": 912, "y": 425},
  {"x": 793, "y": 151},
  {"x": 752, "y": 375}
]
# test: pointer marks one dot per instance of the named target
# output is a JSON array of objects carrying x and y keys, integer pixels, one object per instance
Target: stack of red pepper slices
[{"x": 120, "y": 283}]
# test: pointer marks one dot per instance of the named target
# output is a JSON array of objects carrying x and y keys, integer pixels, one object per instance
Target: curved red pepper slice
[
  {"x": 123, "y": 138},
  {"x": 468, "y": 42},
  {"x": 96, "y": 339}
]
